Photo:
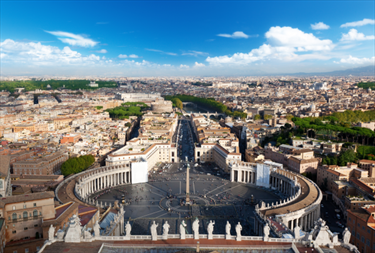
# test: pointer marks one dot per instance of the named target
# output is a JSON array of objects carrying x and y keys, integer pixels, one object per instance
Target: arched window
[
  {"x": 25, "y": 215},
  {"x": 14, "y": 216},
  {"x": 35, "y": 213}
]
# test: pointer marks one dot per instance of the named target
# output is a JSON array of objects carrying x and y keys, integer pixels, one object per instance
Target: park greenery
[
  {"x": 55, "y": 84},
  {"x": 347, "y": 156},
  {"x": 352, "y": 116},
  {"x": 76, "y": 164},
  {"x": 335, "y": 130},
  {"x": 176, "y": 102},
  {"x": 366, "y": 85},
  {"x": 127, "y": 109},
  {"x": 99, "y": 107},
  {"x": 209, "y": 103}
]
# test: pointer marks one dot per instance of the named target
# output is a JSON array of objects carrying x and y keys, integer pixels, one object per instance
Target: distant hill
[{"x": 362, "y": 71}]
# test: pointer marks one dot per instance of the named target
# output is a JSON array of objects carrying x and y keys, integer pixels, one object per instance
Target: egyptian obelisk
[{"x": 187, "y": 200}]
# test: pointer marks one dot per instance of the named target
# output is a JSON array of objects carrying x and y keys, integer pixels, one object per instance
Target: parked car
[{"x": 338, "y": 216}]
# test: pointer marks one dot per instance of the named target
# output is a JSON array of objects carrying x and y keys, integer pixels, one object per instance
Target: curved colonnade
[
  {"x": 301, "y": 209},
  {"x": 101, "y": 179}
]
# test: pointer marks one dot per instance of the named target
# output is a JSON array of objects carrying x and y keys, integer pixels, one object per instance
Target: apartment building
[
  {"x": 361, "y": 223},
  {"x": 46, "y": 165}
]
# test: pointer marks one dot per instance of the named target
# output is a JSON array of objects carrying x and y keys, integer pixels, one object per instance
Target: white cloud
[
  {"x": 182, "y": 66},
  {"x": 284, "y": 44},
  {"x": 353, "y": 34},
  {"x": 235, "y": 35},
  {"x": 73, "y": 39},
  {"x": 160, "y": 51},
  {"x": 354, "y": 60},
  {"x": 32, "y": 53},
  {"x": 198, "y": 65},
  {"x": 293, "y": 37},
  {"x": 319, "y": 26},
  {"x": 102, "y": 51},
  {"x": 128, "y": 56},
  {"x": 195, "y": 53},
  {"x": 2, "y": 55},
  {"x": 365, "y": 21}
]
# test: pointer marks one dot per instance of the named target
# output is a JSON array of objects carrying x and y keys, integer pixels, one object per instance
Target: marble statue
[
  {"x": 87, "y": 235},
  {"x": 97, "y": 229},
  {"x": 196, "y": 229},
  {"x": 166, "y": 227},
  {"x": 182, "y": 230},
  {"x": 297, "y": 232},
  {"x": 60, "y": 234},
  {"x": 227, "y": 230},
  {"x": 266, "y": 232},
  {"x": 128, "y": 229},
  {"x": 238, "y": 231},
  {"x": 210, "y": 229},
  {"x": 51, "y": 233},
  {"x": 346, "y": 236},
  {"x": 154, "y": 233},
  {"x": 74, "y": 231}
]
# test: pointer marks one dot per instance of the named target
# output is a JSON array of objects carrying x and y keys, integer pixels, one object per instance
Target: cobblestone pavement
[{"x": 216, "y": 198}]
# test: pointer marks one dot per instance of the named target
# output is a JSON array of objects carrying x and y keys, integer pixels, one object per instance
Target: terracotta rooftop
[{"x": 4, "y": 165}]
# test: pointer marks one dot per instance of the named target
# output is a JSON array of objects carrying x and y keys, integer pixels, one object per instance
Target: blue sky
[{"x": 169, "y": 38}]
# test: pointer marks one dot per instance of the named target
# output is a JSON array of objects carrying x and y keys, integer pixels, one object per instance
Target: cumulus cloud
[
  {"x": 292, "y": 37},
  {"x": 319, "y": 26},
  {"x": 37, "y": 54},
  {"x": 133, "y": 56},
  {"x": 102, "y": 51},
  {"x": 354, "y": 60},
  {"x": 285, "y": 44},
  {"x": 363, "y": 22},
  {"x": 195, "y": 53},
  {"x": 160, "y": 51},
  {"x": 353, "y": 34},
  {"x": 198, "y": 65},
  {"x": 122, "y": 56},
  {"x": 235, "y": 35},
  {"x": 73, "y": 39},
  {"x": 182, "y": 66}
]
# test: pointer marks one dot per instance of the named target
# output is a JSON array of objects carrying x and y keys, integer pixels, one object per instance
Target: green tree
[
  {"x": 267, "y": 117},
  {"x": 257, "y": 117}
]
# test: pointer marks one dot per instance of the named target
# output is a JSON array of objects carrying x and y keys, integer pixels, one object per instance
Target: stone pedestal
[
  {"x": 127, "y": 237},
  {"x": 228, "y": 237},
  {"x": 238, "y": 238},
  {"x": 210, "y": 237}
]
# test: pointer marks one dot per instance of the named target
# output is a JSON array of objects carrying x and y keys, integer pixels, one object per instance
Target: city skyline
[{"x": 190, "y": 38}]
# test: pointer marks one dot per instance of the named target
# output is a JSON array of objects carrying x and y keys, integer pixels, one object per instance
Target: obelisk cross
[{"x": 187, "y": 183}]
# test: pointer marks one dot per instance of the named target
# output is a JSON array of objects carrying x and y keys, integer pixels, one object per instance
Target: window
[
  {"x": 14, "y": 208},
  {"x": 14, "y": 216},
  {"x": 25, "y": 215},
  {"x": 34, "y": 204},
  {"x": 26, "y": 250},
  {"x": 26, "y": 228},
  {"x": 24, "y": 206},
  {"x": 358, "y": 237},
  {"x": 363, "y": 239},
  {"x": 35, "y": 213},
  {"x": 14, "y": 231},
  {"x": 368, "y": 242},
  {"x": 36, "y": 225}
]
